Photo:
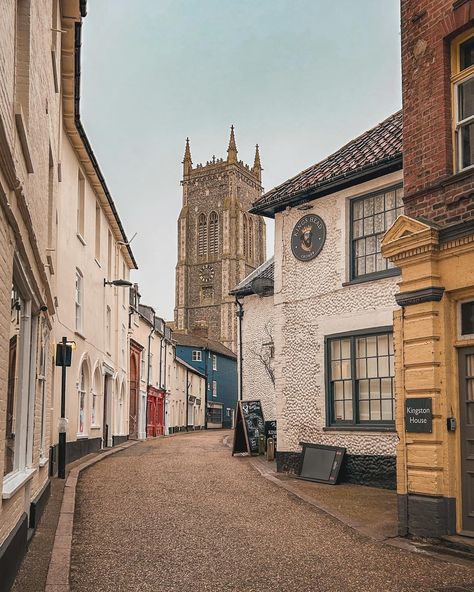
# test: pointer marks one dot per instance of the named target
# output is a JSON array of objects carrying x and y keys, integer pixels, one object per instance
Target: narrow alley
[{"x": 180, "y": 514}]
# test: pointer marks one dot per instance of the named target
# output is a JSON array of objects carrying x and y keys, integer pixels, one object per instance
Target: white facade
[
  {"x": 312, "y": 303},
  {"x": 93, "y": 315},
  {"x": 258, "y": 352},
  {"x": 186, "y": 400}
]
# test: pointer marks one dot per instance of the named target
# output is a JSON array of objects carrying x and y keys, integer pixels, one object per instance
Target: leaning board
[{"x": 248, "y": 428}]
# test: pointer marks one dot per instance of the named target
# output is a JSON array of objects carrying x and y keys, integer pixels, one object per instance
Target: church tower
[{"x": 219, "y": 242}]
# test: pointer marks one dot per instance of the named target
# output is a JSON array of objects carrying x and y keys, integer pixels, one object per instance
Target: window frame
[
  {"x": 355, "y": 424},
  {"x": 214, "y": 362},
  {"x": 390, "y": 272},
  {"x": 198, "y": 357},
  {"x": 459, "y": 77}
]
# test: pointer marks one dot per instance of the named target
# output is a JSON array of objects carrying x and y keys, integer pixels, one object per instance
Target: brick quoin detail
[{"x": 433, "y": 190}]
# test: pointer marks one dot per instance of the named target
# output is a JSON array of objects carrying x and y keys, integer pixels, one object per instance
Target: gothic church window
[
  {"x": 245, "y": 236},
  {"x": 202, "y": 235},
  {"x": 250, "y": 239},
  {"x": 213, "y": 234}
]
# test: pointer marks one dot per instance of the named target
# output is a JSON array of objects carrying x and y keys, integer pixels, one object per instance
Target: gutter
[
  {"x": 385, "y": 166},
  {"x": 82, "y": 133}
]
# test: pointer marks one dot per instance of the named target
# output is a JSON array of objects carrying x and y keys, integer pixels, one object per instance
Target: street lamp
[{"x": 118, "y": 283}]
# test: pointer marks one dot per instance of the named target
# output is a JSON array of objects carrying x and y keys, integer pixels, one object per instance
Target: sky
[{"x": 299, "y": 77}]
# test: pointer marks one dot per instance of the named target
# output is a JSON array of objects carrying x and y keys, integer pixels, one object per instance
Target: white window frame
[
  {"x": 459, "y": 124},
  {"x": 82, "y": 395},
  {"x": 214, "y": 362},
  {"x": 214, "y": 388},
  {"x": 196, "y": 355}
]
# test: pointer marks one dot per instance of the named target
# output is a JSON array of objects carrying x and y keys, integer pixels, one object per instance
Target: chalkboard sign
[
  {"x": 418, "y": 415},
  {"x": 321, "y": 463},
  {"x": 271, "y": 431},
  {"x": 248, "y": 428}
]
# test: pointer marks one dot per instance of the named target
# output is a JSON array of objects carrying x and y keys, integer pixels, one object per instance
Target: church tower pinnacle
[
  {"x": 232, "y": 149},
  {"x": 187, "y": 162},
  {"x": 257, "y": 167}
]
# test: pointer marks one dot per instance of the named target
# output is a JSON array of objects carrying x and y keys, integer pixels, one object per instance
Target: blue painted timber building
[{"x": 219, "y": 365}]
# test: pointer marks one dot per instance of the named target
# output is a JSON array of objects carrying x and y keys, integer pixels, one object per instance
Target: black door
[{"x": 466, "y": 388}]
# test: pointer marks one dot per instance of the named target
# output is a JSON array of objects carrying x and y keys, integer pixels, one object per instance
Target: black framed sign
[
  {"x": 419, "y": 415},
  {"x": 308, "y": 237},
  {"x": 249, "y": 426},
  {"x": 320, "y": 463}
]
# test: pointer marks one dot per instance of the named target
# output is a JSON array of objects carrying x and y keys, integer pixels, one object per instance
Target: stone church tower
[{"x": 219, "y": 243}]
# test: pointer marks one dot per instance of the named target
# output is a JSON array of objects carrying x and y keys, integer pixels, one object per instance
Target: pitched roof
[
  {"x": 189, "y": 367},
  {"x": 191, "y": 340},
  {"x": 265, "y": 271},
  {"x": 372, "y": 152}
]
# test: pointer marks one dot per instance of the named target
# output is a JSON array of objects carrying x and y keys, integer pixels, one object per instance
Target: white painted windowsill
[
  {"x": 44, "y": 460},
  {"x": 15, "y": 481}
]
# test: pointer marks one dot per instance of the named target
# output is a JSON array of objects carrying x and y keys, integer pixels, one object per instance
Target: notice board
[
  {"x": 320, "y": 463},
  {"x": 249, "y": 426}
]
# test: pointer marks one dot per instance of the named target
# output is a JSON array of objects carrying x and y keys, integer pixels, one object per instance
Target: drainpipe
[
  {"x": 240, "y": 315},
  {"x": 148, "y": 382},
  {"x": 187, "y": 401},
  {"x": 161, "y": 359}
]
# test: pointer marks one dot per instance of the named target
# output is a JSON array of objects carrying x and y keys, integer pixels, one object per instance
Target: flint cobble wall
[
  {"x": 311, "y": 303},
  {"x": 257, "y": 334}
]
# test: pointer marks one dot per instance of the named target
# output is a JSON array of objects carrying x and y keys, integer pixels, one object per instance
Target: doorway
[
  {"x": 106, "y": 423},
  {"x": 466, "y": 391}
]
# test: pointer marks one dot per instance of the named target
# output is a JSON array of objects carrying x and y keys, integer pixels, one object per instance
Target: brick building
[
  {"x": 433, "y": 246},
  {"x": 219, "y": 242}
]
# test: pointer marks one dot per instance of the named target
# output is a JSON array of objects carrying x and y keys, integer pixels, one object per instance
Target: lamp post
[{"x": 63, "y": 359}]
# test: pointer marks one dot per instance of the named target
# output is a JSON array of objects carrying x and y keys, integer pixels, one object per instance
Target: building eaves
[
  {"x": 376, "y": 152},
  {"x": 192, "y": 340},
  {"x": 189, "y": 367},
  {"x": 265, "y": 271}
]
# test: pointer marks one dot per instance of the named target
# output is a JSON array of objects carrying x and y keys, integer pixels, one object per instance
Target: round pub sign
[{"x": 308, "y": 237}]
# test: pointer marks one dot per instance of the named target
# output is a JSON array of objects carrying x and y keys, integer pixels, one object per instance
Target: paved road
[{"x": 180, "y": 514}]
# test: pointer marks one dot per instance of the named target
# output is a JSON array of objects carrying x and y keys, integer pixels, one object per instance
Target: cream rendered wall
[
  {"x": 311, "y": 302},
  {"x": 258, "y": 330},
  {"x": 78, "y": 253},
  {"x": 177, "y": 396},
  {"x": 23, "y": 220},
  {"x": 197, "y": 388}
]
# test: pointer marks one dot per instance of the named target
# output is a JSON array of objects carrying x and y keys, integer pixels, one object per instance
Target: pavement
[{"x": 182, "y": 514}]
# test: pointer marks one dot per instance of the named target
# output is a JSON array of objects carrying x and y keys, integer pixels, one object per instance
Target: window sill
[
  {"x": 79, "y": 334},
  {"x": 44, "y": 460},
  {"x": 81, "y": 238},
  {"x": 82, "y": 436},
  {"x": 372, "y": 277},
  {"x": 95, "y": 427},
  {"x": 361, "y": 429},
  {"x": 13, "y": 482}
]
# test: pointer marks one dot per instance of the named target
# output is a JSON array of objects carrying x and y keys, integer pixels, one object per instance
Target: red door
[{"x": 155, "y": 412}]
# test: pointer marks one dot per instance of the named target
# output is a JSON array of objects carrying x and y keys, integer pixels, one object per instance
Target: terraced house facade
[{"x": 333, "y": 295}]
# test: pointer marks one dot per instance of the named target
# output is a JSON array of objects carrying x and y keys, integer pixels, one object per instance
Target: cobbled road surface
[{"x": 180, "y": 514}]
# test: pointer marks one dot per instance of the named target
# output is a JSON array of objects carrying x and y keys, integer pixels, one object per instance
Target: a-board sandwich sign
[
  {"x": 249, "y": 426},
  {"x": 419, "y": 414}
]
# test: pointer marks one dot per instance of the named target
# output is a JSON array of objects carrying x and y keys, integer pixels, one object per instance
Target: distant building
[
  {"x": 219, "y": 365},
  {"x": 187, "y": 398},
  {"x": 333, "y": 305},
  {"x": 219, "y": 242},
  {"x": 257, "y": 316}
]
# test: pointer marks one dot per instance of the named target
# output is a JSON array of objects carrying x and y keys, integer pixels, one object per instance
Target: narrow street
[{"x": 180, "y": 514}]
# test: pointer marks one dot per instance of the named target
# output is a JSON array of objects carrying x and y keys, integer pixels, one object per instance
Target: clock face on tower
[{"x": 206, "y": 273}]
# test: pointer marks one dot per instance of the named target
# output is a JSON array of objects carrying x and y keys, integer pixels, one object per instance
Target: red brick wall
[{"x": 432, "y": 190}]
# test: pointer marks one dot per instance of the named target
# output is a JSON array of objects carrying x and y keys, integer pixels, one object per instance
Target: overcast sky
[{"x": 298, "y": 77}]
